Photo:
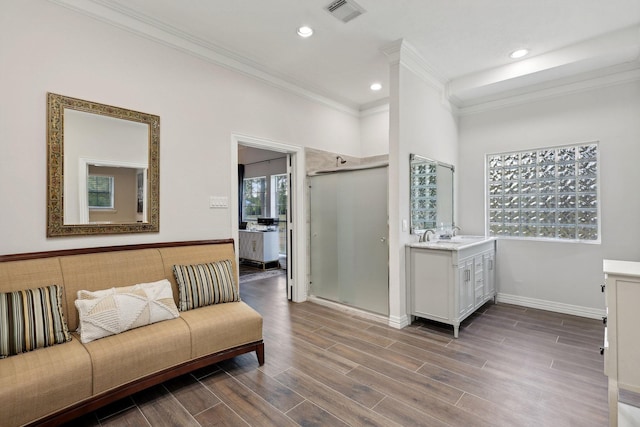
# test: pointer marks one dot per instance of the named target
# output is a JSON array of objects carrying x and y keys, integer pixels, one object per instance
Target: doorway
[{"x": 267, "y": 208}]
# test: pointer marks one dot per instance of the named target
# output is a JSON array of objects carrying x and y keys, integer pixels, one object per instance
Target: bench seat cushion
[
  {"x": 42, "y": 381},
  {"x": 122, "y": 358},
  {"x": 222, "y": 326}
]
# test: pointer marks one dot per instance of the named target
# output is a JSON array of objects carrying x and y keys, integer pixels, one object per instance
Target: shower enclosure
[{"x": 349, "y": 233}]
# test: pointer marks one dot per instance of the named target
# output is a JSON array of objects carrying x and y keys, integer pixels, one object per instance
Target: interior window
[
  {"x": 254, "y": 197},
  {"x": 100, "y": 191}
]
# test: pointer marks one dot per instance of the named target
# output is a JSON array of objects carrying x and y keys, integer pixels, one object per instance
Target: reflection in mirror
[
  {"x": 103, "y": 169},
  {"x": 431, "y": 193}
]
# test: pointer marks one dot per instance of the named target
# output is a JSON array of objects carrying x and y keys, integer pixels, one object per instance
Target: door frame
[{"x": 297, "y": 254}]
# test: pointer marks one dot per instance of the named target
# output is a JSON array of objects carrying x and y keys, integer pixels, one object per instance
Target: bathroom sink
[
  {"x": 458, "y": 240},
  {"x": 464, "y": 239},
  {"x": 455, "y": 243}
]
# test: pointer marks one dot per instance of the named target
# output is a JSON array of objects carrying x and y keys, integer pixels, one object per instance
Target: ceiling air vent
[{"x": 345, "y": 10}]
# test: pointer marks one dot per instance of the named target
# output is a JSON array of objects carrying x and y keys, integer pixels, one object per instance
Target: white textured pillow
[{"x": 111, "y": 311}]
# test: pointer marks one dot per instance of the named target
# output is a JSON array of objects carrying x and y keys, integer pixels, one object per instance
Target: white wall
[
  {"x": 560, "y": 273},
  {"x": 47, "y": 48},
  {"x": 420, "y": 123},
  {"x": 374, "y": 132}
]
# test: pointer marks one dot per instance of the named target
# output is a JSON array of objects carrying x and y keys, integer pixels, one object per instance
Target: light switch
[
  {"x": 218, "y": 202},
  {"x": 404, "y": 225}
]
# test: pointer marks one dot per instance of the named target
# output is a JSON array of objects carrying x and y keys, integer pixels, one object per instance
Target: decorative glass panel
[
  {"x": 546, "y": 156},
  {"x": 528, "y": 187},
  {"x": 567, "y": 201},
  {"x": 549, "y": 193},
  {"x": 588, "y": 151},
  {"x": 529, "y": 202},
  {"x": 547, "y": 171},
  {"x": 587, "y": 168},
  {"x": 567, "y": 186},
  {"x": 547, "y": 217},
  {"x": 529, "y": 230},
  {"x": 511, "y": 174},
  {"x": 511, "y": 187},
  {"x": 495, "y": 161},
  {"x": 528, "y": 172},
  {"x": 512, "y": 202},
  {"x": 511, "y": 159},
  {"x": 547, "y": 202},
  {"x": 495, "y": 202},
  {"x": 566, "y": 170},
  {"x": 528, "y": 158},
  {"x": 530, "y": 217},
  {"x": 587, "y": 185},
  {"x": 567, "y": 217},
  {"x": 423, "y": 195},
  {"x": 587, "y": 233}
]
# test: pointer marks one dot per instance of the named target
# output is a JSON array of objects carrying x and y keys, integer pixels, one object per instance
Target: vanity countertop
[
  {"x": 454, "y": 244},
  {"x": 621, "y": 268}
]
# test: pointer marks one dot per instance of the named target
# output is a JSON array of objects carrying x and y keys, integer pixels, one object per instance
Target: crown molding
[
  {"x": 144, "y": 26},
  {"x": 380, "y": 106},
  {"x": 401, "y": 52},
  {"x": 588, "y": 82}
]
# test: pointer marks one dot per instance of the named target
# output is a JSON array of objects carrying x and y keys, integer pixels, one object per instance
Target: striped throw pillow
[
  {"x": 205, "y": 284},
  {"x": 31, "y": 319}
]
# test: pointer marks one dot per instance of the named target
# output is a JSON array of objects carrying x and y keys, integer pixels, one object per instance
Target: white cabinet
[
  {"x": 448, "y": 282},
  {"x": 466, "y": 291},
  {"x": 622, "y": 335},
  {"x": 259, "y": 246},
  {"x": 490, "y": 274}
]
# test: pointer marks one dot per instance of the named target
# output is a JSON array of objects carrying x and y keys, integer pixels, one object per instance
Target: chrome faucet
[
  {"x": 455, "y": 227},
  {"x": 425, "y": 235}
]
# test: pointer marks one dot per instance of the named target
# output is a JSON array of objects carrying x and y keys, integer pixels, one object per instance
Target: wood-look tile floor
[{"x": 511, "y": 366}]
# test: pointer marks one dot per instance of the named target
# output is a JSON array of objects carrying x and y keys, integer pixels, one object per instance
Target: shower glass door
[{"x": 349, "y": 248}]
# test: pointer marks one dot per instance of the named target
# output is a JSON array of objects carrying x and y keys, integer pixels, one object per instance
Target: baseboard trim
[
  {"x": 348, "y": 309},
  {"x": 399, "y": 322},
  {"x": 558, "y": 307}
]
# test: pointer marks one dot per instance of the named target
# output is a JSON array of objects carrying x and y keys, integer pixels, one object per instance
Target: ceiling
[{"x": 464, "y": 44}]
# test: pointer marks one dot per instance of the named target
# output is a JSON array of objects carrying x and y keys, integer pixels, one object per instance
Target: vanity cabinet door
[
  {"x": 478, "y": 280},
  {"x": 489, "y": 275},
  {"x": 431, "y": 281},
  {"x": 466, "y": 294}
]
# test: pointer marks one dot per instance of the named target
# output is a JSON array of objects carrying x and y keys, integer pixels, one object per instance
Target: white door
[{"x": 290, "y": 232}]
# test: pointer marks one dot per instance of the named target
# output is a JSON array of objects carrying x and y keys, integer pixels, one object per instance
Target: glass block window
[
  {"x": 550, "y": 193},
  {"x": 423, "y": 195}
]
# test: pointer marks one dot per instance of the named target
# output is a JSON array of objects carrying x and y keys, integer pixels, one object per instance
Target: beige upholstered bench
[{"x": 61, "y": 379}]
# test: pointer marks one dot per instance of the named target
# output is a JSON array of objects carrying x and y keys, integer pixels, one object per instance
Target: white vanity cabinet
[
  {"x": 448, "y": 281},
  {"x": 622, "y": 335}
]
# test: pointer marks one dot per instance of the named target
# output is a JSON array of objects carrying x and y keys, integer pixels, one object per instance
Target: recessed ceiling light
[
  {"x": 376, "y": 86},
  {"x": 519, "y": 53},
  {"x": 305, "y": 31}
]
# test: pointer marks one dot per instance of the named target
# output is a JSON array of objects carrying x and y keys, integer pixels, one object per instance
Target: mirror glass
[
  {"x": 103, "y": 168},
  {"x": 431, "y": 193}
]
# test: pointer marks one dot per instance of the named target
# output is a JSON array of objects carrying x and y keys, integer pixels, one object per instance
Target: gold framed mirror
[{"x": 103, "y": 169}]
